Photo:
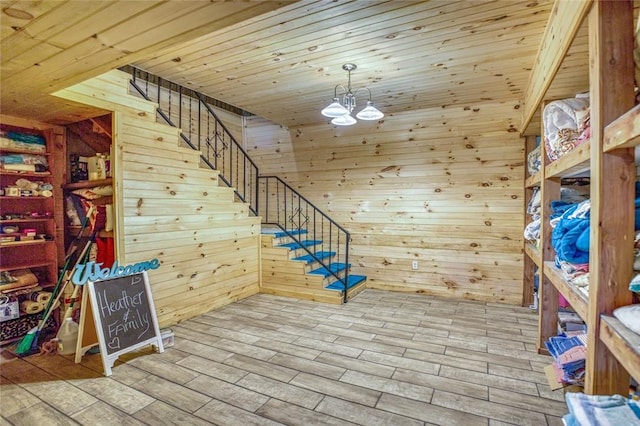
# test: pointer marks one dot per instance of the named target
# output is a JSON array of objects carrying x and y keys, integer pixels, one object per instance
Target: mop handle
[{"x": 84, "y": 252}]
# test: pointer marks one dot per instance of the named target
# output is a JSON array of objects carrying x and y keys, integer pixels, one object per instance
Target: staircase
[
  {"x": 289, "y": 270},
  {"x": 305, "y": 254}
]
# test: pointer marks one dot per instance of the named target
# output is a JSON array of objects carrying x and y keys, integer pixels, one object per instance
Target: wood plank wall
[
  {"x": 442, "y": 187},
  {"x": 171, "y": 209}
]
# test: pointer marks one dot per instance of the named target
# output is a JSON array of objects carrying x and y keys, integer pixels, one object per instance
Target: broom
[
  {"x": 76, "y": 287},
  {"x": 29, "y": 342}
]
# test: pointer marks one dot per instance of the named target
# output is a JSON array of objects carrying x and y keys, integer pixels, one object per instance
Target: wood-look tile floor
[{"x": 384, "y": 358}]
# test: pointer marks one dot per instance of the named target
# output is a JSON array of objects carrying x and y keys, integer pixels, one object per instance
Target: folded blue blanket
[
  {"x": 592, "y": 410},
  {"x": 570, "y": 237}
]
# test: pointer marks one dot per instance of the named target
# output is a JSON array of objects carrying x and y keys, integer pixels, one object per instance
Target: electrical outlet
[{"x": 414, "y": 265}]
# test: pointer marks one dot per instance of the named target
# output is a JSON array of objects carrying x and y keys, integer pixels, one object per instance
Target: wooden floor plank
[{"x": 382, "y": 358}]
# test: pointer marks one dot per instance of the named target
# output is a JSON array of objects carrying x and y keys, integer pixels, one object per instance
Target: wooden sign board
[{"x": 124, "y": 315}]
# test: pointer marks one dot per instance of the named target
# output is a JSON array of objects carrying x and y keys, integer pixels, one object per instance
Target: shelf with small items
[
  {"x": 22, "y": 242},
  {"x": 576, "y": 297},
  {"x": 87, "y": 184},
  {"x": 623, "y": 343},
  {"x": 25, "y": 220},
  {"x": 23, "y": 151},
  {"x": 22, "y": 199},
  {"x": 29, "y": 196},
  {"x": 18, "y": 173}
]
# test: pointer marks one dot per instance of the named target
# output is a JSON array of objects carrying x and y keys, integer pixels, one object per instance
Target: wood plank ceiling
[
  {"x": 282, "y": 60},
  {"x": 52, "y": 44}
]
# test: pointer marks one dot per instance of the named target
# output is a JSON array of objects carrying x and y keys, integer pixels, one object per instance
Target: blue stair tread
[
  {"x": 352, "y": 281},
  {"x": 296, "y": 246},
  {"x": 320, "y": 255},
  {"x": 334, "y": 267},
  {"x": 292, "y": 232}
]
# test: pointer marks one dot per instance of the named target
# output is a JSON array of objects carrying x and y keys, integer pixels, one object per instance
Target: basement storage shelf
[
  {"x": 623, "y": 343},
  {"x": 28, "y": 247},
  {"x": 613, "y": 350},
  {"x": 72, "y": 230}
]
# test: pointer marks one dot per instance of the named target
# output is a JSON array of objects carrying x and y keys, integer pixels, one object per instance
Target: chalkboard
[{"x": 124, "y": 315}]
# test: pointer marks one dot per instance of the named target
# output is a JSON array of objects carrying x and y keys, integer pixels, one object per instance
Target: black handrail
[
  {"x": 299, "y": 218},
  {"x": 220, "y": 151},
  {"x": 218, "y": 148}
]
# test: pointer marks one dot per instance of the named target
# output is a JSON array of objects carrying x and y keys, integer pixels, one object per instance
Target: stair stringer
[
  {"x": 283, "y": 276},
  {"x": 169, "y": 208}
]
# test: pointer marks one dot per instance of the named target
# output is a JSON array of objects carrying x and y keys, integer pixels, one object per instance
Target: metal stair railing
[
  {"x": 302, "y": 221},
  {"x": 202, "y": 130},
  {"x": 283, "y": 206}
]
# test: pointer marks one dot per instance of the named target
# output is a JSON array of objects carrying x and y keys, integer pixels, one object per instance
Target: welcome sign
[
  {"x": 92, "y": 271},
  {"x": 122, "y": 307}
]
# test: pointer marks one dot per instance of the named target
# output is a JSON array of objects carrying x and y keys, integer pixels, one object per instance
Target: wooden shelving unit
[
  {"x": 623, "y": 343},
  {"x": 578, "y": 300},
  {"x": 613, "y": 351},
  {"x": 33, "y": 248}
]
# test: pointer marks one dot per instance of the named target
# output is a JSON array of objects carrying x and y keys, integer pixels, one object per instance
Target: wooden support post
[
  {"x": 612, "y": 187},
  {"x": 529, "y": 265}
]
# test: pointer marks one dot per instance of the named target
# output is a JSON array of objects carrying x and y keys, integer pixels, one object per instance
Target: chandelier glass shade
[{"x": 340, "y": 112}]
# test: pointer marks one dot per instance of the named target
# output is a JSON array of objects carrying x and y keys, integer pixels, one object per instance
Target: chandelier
[{"x": 341, "y": 112}]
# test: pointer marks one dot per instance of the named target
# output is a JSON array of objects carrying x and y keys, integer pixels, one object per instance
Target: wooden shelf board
[
  {"x": 88, "y": 184},
  {"x": 577, "y": 300},
  {"x": 21, "y": 243},
  {"x": 33, "y": 197},
  {"x": 623, "y": 132},
  {"x": 35, "y": 219},
  {"x": 572, "y": 164},
  {"x": 623, "y": 343},
  {"x": 533, "y": 180},
  {"x": 23, "y": 290},
  {"x": 534, "y": 254},
  {"x": 27, "y": 265},
  {"x": 22, "y": 173},
  {"x": 24, "y": 151}
]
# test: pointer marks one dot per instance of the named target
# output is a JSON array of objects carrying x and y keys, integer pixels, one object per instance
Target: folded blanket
[
  {"x": 570, "y": 237},
  {"x": 629, "y": 316},
  {"x": 614, "y": 410},
  {"x": 566, "y": 125}
]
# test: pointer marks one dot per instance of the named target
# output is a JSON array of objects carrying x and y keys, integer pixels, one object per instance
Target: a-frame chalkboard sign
[{"x": 124, "y": 316}]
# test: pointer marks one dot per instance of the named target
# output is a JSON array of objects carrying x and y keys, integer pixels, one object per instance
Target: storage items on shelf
[
  {"x": 22, "y": 140},
  {"x": 92, "y": 168},
  {"x": 79, "y": 198},
  {"x": 28, "y": 249},
  {"x": 534, "y": 161},
  {"x": 629, "y": 316},
  {"x": 592, "y": 139},
  {"x": 566, "y": 125},
  {"x": 532, "y": 229}
]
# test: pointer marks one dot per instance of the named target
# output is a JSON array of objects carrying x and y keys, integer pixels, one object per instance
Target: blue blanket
[{"x": 592, "y": 410}]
